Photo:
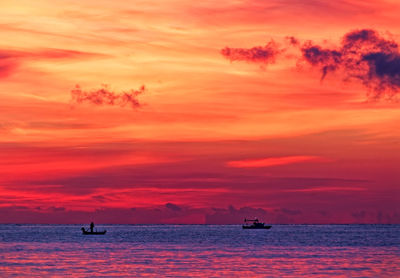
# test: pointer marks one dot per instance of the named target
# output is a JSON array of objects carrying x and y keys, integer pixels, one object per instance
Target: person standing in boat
[{"x": 91, "y": 227}]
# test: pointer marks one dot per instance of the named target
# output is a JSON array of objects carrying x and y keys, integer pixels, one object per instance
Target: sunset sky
[{"x": 199, "y": 112}]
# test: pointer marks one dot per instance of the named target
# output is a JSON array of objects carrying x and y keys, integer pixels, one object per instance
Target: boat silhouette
[{"x": 255, "y": 224}]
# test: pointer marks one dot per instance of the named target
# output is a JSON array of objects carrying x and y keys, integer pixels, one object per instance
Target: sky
[{"x": 207, "y": 113}]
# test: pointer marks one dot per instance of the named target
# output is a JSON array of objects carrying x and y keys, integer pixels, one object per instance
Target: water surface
[{"x": 201, "y": 251}]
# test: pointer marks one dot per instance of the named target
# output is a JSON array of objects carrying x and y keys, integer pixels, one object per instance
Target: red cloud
[
  {"x": 7, "y": 67},
  {"x": 8, "y": 62}
]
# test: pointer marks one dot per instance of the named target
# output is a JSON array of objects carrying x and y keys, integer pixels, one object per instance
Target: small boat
[
  {"x": 85, "y": 232},
  {"x": 255, "y": 224}
]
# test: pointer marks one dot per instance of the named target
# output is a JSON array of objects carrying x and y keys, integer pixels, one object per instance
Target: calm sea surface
[{"x": 201, "y": 251}]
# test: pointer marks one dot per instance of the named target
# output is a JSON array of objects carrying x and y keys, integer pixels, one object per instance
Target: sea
[{"x": 200, "y": 251}]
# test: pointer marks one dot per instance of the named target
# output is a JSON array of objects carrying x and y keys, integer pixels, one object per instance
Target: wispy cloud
[
  {"x": 106, "y": 96},
  {"x": 258, "y": 54}
]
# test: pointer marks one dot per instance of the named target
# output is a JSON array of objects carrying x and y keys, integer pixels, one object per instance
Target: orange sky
[{"x": 211, "y": 137}]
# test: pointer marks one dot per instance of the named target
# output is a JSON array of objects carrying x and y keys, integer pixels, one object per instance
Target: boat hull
[
  {"x": 94, "y": 233},
  {"x": 256, "y": 228}
]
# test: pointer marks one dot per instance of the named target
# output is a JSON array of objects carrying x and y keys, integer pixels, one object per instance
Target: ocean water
[{"x": 200, "y": 251}]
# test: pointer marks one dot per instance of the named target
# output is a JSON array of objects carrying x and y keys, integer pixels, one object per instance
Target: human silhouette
[{"x": 91, "y": 227}]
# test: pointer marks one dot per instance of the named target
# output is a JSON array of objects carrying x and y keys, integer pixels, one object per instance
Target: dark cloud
[
  {"x": 188, "y": 215},
  {"x": 292, "y": 40},
  {"x": 56, "y": 209},
  {"x": 359, "y": 215},
  {"x": 326, "y": 59},
  {"x": 285, "y": 215},
  {"x": 173, "y": 207},
  {"x": 324, "y": 213},
  {"x": 387, "y": 217},
  {"x": 364, "y": 55},
  {"x": 105, "y": 96},
  {"x": 168, "y": 213},
  {"x": 259, "y": 54}
]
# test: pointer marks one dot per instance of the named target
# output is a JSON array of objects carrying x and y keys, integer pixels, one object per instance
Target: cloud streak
[
  {"x": 48, "y": 53},
  {"x": 106, "y": 96},
  {"x": 11, "y": 59},
  {"x": 271, "y": 161},
  {"x": 6, "y": 68}
]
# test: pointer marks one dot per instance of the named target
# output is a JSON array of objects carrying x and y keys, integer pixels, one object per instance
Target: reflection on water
[{"x": 201, "y": 251}]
